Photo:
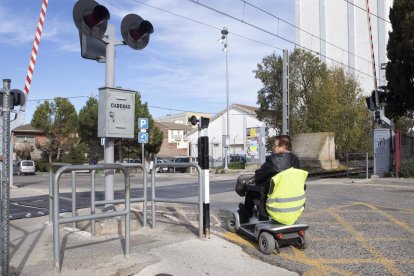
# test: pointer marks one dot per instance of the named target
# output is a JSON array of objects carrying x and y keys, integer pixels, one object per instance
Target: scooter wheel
[
  {"x": 266, "y": 243},
  {"x": 305, "y": 241},
  {"x": 231, "y": 224}
]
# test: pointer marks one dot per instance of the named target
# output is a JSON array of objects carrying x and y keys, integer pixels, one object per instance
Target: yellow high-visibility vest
[{"x": 285, "y": 202}]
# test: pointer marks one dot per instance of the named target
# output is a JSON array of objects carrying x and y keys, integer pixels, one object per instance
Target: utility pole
[
  {"x": 285, "y": 124},
  {"x": 226, "y": 140}
]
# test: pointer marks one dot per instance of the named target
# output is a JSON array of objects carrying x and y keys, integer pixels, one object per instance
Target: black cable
[{"x": 278, "y": 36}]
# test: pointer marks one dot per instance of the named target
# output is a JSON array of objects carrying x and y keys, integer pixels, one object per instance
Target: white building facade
[
  {"x": 338, "y": 30},
  {"x": 245, "y": 138}
]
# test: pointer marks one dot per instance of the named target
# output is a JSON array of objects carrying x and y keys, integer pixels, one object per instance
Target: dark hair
[{"x": 284, "y": 141}]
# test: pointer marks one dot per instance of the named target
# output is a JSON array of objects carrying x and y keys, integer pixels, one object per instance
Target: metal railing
[
  {"x": 143, "y": 199},
  {"x": 357, "y": 161},
  {"x": 55, "y": 203},
  {"x": 198, "y": 202}
]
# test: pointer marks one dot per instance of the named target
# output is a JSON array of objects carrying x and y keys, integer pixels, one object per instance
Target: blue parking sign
[
  {"x": 142, "y": 137},
  {"x": 143, "y": 123}
]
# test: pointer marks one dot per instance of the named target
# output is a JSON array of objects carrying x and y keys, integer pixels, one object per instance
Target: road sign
[
  {"x": 143, "y": 123},
  {"x": 143, "y": 137}
]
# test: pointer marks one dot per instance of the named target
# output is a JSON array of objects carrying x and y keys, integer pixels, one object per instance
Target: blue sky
[{"x": 182, "y": 68}]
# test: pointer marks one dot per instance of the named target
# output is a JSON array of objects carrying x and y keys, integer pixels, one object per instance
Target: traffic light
[
  {"x": 193, "y": 120},
  {"x": 382, "y": 95},
  {"x": 204, "y": 122},
  {"x": 371, "y": 102},
  {"x": 17, "y": 98},
  {"x": 136, "y": 31},
  {"x": 90, "y": 18}
]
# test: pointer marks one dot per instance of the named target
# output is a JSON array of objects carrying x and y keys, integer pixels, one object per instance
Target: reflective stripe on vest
[
  {"x": 286, "y": 201},
  {"x": 290, "y": 199},
  {"x": 284, "y": 210}
]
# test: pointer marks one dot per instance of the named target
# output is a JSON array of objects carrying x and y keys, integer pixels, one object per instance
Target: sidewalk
[{"x": 172, "y": 248}]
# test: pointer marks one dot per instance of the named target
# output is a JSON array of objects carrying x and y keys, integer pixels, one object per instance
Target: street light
[{"x": 226, "y": 140}]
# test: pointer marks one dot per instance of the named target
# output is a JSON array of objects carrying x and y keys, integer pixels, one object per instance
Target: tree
[
  {"x": 321, "y": 100},
  {"x": 155, "y": 135},
  {"x": 24, "y": 150},
  {"x": 400, "y": 52},
  {"x": 88, "y": 130},
  {"x": 59, "y": 121}
]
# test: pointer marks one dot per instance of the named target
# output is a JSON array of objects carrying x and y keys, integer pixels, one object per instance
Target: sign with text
[{"x": 143, "y": 123}]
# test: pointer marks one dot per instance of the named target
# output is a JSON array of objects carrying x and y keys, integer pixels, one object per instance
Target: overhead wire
[
  {"x": 278, "y": 36},
  {"x": 364, "y": 10},
  {"x": 207, "y": 25},
  {"x": 302, "y": 30}
]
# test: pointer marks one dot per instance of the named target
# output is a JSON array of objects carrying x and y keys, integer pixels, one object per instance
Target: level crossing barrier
[{"x": 198, "y": 202}]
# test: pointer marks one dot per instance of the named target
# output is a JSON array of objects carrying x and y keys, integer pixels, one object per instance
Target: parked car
[
  {"x": 162, "y": 169},
  {"x": 24, "y": 167},
  {"x": 237, "y": 158},
  {"x": 130, "y": 160}
]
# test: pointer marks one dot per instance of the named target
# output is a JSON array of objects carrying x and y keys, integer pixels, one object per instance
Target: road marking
[
  {"x": 240, "y": 240},
  {"x": 387, "y": 263},
  {"x": 391, "y": 218},
  {"x": 318, "y": 268}
]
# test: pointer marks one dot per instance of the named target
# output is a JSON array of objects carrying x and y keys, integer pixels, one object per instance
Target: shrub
[
  {"x": 42, "y": 165},
  {"x": 236, "y": 165},
  {"x": 407, "y": 168}
]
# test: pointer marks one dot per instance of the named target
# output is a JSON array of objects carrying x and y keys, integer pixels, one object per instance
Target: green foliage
[
  {"x": 88, "y": 130},
  {"x": 42, "y": 165},
  {"x": 321, "y": 100},
  {"x": 59, "y": 121},
  {"x": 400, "y": 52},
  {"x": 76, "y": 154},
  {"x": 407, "y": 168},
  {"x": 155, "y": 135},
  {"x": 236, "y": 165}
]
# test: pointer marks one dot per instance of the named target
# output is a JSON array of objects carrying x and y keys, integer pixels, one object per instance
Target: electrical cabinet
[{"x": 116, "y": 112}]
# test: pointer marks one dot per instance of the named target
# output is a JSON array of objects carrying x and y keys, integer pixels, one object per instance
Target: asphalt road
[{"x": 363, "y": 227}]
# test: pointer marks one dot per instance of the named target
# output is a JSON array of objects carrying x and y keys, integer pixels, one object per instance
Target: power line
[
  {"x": 361, "y": 8},
  {"x": 73, "y": 97},
  {"x": 302, "y": 30},
  {"x": 207, "y": 25},
  {"x": 277, "y": 35},
  {"x": 91, "y": 96}
]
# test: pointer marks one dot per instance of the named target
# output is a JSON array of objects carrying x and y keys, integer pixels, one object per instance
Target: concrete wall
[{"x": 316, "y": 150}]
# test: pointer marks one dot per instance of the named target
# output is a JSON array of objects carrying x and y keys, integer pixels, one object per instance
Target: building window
[{"x": 25, "y": 139}]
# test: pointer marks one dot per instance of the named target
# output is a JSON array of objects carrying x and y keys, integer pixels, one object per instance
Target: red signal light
[{"x": 97, "y": 16}]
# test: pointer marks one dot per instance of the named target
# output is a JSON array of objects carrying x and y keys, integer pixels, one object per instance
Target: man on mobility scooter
[{"x": 278, "y": 192}]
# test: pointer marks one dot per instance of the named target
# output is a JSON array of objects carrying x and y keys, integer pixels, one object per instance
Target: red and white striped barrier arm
[
  {"x": 374, "y": 73},
  {"x": 35, "y": 47}
]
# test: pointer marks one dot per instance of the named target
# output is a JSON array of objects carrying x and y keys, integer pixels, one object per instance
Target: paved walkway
[{"x": 170, "y": 249}]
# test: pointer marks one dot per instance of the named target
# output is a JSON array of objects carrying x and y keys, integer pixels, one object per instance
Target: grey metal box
[{"x": 116, "y": 112}]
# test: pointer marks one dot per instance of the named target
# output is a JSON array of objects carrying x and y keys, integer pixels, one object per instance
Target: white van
[{"x": 24, "y": 167}]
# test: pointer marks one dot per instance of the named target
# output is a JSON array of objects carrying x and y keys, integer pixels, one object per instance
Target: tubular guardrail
[
  {"x": 52, "y": 166},
  {"x": 155, "y": 199},
  {"x": 55, "y": 202},
  {"x": 143, "y": 199},
  {"x": 357, "y": 160}
]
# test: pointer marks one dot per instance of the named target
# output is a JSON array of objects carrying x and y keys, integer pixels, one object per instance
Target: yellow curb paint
[{"x": 387, "y": 263}]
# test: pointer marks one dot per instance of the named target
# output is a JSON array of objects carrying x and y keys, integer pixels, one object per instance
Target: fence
[
  {"x": 407, "y": 147},
  {"x": 356, "y": 163}
]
